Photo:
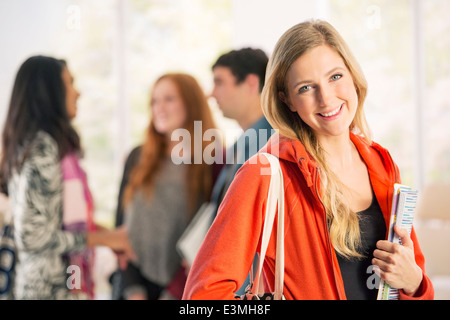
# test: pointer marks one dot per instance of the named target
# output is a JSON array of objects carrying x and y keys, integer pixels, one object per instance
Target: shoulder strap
[{"x": 275, "y": 197}]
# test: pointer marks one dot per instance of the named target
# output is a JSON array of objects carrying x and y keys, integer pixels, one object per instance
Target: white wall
[
  {"x": 260, "y": 23},
  {"x": 22, "y": 35}
]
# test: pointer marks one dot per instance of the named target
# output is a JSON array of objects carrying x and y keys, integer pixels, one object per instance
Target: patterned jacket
[{"x": 36, "y": 195}]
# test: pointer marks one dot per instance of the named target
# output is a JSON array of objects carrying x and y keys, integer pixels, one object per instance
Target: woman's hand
[
  {"x": 396, "y": 263},
  {"x": 122, "y": 246},
  {"x": 116, "y": 239}
]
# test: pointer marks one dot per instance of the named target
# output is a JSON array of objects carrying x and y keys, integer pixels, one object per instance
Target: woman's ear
[{"x": 283, "y": 98}]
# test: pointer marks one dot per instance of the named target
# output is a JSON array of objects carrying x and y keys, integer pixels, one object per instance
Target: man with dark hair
[
  {"x": 238, "y": 81},
  {"x": 244, "y": 62}
]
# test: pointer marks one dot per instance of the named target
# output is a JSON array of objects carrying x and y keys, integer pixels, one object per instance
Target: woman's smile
[{"x": 331, "y": 115}]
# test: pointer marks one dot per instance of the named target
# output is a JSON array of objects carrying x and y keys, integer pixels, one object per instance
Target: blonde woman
[{"x": 338, "y": 187}]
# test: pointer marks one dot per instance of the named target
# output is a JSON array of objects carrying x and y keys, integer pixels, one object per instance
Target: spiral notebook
[{"x": 402, "y": 214}]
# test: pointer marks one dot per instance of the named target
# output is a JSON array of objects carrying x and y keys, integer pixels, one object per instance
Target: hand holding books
[
  {"x": 396, "y": 263},
  {"x": 395, "y": 256}
]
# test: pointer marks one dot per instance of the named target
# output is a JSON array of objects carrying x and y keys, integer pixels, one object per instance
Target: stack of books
[{"x": 402, "y": 214}]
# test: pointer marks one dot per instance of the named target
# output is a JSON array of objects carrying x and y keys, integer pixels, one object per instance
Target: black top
[{"x": 360, "y": 281}]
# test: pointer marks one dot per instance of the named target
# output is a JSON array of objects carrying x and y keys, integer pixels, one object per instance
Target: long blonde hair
[{"x": 342, "y": 221}]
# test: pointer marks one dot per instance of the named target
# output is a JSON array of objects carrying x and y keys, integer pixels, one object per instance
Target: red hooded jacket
[{"x": 311, "y": 267}]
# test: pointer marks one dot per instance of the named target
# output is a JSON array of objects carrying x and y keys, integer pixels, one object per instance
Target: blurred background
[{"x": 117, "y": 48}]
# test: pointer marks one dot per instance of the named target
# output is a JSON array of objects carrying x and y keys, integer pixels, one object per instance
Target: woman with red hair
[{"x": 159, "y": 195}]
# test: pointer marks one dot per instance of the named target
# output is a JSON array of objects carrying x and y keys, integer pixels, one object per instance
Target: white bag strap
[{"x": 275, "y": 196}]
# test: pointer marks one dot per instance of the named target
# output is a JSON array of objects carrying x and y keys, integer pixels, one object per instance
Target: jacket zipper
[{"x": 327, "y": 236}]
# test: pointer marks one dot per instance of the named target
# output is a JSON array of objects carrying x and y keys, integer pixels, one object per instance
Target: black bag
[{"x": 8, "y": 259}]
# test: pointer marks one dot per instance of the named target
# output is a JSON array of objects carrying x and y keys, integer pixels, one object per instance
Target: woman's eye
[
  {"x": 336, "y": 76},
  {"x": 304, "y": 89}
]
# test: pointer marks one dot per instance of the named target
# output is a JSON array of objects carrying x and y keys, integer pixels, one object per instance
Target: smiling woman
[
  {"x": 337, "y": 181},
  {"x": 327, "y": 103},
  {"x": 159, "y": 197},
  {"x": 168, "y": 109},
  {"x": 327, "y": 100}
]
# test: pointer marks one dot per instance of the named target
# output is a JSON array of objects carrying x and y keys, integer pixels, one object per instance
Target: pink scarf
[{"x": 78, "y": 215}]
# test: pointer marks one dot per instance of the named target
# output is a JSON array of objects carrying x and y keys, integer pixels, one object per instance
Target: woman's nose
[{"x": 324, "y": 95}]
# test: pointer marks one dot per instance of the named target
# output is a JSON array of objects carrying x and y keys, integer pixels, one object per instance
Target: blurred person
[
  {"x": 158, "y": 195},
  {"x": 239, "y": 77},
  {"x": 49, "y": 197},
  {"x": 338, "y": 187}
]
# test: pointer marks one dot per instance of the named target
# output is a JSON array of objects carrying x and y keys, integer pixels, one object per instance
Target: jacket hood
[{"x": 293, "y": 150}]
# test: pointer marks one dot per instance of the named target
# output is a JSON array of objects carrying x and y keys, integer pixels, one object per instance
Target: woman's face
[
  {"x": 321, "y": 91},
  {"x": 72, "y": 94},
  {"x": 169, "y": 111}
]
